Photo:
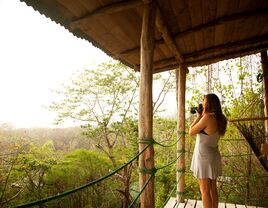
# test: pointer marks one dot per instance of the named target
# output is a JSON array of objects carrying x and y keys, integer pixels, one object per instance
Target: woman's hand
[{"x": 198, "y": 125}]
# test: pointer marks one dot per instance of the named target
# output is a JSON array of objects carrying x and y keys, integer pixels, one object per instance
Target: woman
[{"x": 206, "y": 162}]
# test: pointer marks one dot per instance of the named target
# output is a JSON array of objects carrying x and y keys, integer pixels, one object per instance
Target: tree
[
  {"x": 81, "y": 167},
  {"x": 8, "y": 161},
  {"x": 97, "y": 98},
  {"x": 104, "y": 100},
  {"x": 36, "y": 163},
  {"x": 24, "y": 171}
]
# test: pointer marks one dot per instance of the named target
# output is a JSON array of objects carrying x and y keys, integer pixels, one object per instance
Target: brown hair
[{"x": 213, "y": 105}]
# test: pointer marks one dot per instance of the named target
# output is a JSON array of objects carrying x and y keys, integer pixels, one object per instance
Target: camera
[{"x": 198, "y": 109}]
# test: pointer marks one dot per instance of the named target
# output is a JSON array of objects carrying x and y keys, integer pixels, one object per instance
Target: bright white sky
[{"x": 36, "y": 55}]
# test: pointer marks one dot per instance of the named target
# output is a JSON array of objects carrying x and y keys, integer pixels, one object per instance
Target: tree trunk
[
  {"x": 264, "y": 62},
  {"x": 181, "y": 80},
  {"x": 146, "y": 160}
]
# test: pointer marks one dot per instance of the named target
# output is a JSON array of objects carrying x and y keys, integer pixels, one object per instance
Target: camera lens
[
  {"x": 198, "y": 109},
  {"x": 193, "y": 110}
]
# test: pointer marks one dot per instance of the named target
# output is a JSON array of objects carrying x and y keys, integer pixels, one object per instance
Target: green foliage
[
  {"x": 28, "y": 168},
  {"x": 249, "y": 105},
  {"x": 165, "y": 133},
  {"x": 98, "y": 96},
  {"x": 78, "y": 168},
  {"x": 104, "y": 100},
  {"x": 165, "y": 182}
]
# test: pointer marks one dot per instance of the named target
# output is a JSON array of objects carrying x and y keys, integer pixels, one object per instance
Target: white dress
[{"x": 206, "y": 161}]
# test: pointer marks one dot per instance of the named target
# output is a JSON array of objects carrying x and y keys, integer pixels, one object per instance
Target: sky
[{"x": 36, "y": 56}]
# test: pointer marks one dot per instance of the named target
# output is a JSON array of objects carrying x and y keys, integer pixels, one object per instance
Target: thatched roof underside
[{"x": 194, "y": 32}]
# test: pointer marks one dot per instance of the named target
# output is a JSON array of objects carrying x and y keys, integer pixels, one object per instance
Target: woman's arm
[{"x": 198, "y": 125}]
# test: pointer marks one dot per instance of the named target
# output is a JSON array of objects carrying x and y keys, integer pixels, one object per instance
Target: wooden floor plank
[
  {"x": 190, "y": 203},
  {"x": 240, "y": 206},
  {"x": 181, "y": 205},
  {"x": 221, "y": 205},
  {"x": 171, "y": 203},
  {"x": 198, "y": 204},
  {"x": 230, "y": 205}
]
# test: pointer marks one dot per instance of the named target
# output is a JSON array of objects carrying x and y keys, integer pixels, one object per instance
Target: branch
[
  {"x": 128, "y": 107},
  {"x": 98, "y": 101},
  {"x": 162, "y": 93},
  {"x": 8, "y": 174},
  {"x": 13, "y": 197}
]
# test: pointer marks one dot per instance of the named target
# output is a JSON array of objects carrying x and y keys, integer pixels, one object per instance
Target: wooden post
[
  {"x": 264, "y": 62},
  {"x": 146, "y": 160},
  {"x": 181, "y": 87}
]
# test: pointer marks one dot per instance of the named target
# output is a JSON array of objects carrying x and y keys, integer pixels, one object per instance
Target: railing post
[
  {"x": 146, "y": 160},
  {"x": 264, "y": 63},
  {"x": 181, "y": 87}
]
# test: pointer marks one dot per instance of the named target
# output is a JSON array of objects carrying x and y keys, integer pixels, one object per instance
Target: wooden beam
[
  {"x": 163, "y": 65},
  {"x": 222, "y": 20},
  {"x": 233, "y": 46},
  {"x": 181, "y": 89},
  {"x": 200, "y": 58},
  {"x": 146, "y": 160},
  {"x": 248, "y": 119},
  {"x": 227, "y": 51},
  {"x": 228, "y": 55},
  {"x": 109, "y": 9},
  {"x": 166, "y": 68},
  {"x": 161, "y": 26},
  {"x": 218, "y": 21},
  {"x": 130, "y": 51},
  {"x": 172, "y": 63}
]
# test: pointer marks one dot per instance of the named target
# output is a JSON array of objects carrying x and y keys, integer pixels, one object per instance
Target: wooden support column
[
  {"x": 181, "y": 87},
  {"x": 146, "y": 160},
  {"x": 264, "y": 62}
]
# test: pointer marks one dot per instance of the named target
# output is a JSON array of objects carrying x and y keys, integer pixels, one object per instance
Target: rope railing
[
  {"x": 170, "y": 193},
  {"x": 149, "y": 142},
  {"x": 142, "y": 189},
  {"x": 38, "y": 202},
  {"x": 170, "y": 163},
  {"x": 152, "y": 141},
  {"x": 153, "y": 171}
]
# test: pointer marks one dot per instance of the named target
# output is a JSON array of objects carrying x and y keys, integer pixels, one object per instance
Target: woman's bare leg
[
  {"x": 214, "y": 194},
  {"x": 205, "y": 188}
]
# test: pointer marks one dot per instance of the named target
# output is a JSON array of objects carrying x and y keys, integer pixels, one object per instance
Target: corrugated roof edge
[{"x": 39, "y": 7}]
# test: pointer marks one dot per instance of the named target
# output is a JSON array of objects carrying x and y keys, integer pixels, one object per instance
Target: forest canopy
[{"x": 41, "y": 162}]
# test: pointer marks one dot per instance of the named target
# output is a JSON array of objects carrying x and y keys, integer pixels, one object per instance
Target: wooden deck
[{"x": 190, "y": 203}]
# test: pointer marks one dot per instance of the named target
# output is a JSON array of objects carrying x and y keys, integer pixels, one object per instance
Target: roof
[{"x": 195, "y": 32}]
